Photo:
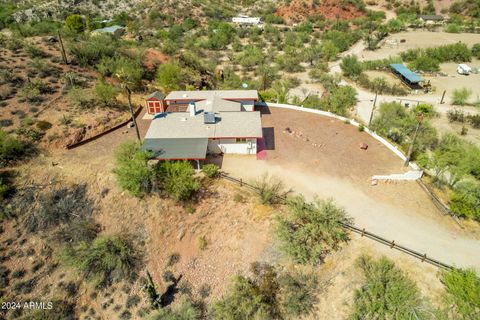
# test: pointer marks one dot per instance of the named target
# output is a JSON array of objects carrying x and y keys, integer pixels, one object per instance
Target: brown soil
[
  {"x": 55, "y": 105},
  {"x": 298, "y": 11},
  {"x": 152, "y": 58}
]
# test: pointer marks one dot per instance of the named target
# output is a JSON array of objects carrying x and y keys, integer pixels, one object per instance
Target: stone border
[
  {"x": 353, "y": 122},
  {"x": 95, "y": 137}
]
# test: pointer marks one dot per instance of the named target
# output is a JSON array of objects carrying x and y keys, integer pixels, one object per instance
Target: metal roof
[
  {"x": 177, "y": 148},
  {"x": 156, "y": 94},
  {"x": 110, "y": 29},
  {"x": 432, "y": 17},
  {"x": 241, "y": 124},
  {"x": 210, "y": 94},
  {"x": 408, "y": 74}
]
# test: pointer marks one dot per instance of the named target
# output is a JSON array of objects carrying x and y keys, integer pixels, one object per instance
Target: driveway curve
[{"x": 316, "y": 155}]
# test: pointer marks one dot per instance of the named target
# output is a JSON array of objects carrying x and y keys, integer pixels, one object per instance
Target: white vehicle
[
  {"x": 245, "y": 20},
  {"x": 464, "y": 69}
]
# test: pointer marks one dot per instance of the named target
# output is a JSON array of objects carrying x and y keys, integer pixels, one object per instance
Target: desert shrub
[
  {"x": 351, "y": 67},
  {"x": 32, "y": 91},
  {"x": 211, "y": 170},
  {"x": 33, "y": 51},
  {"x": 456, "y": 115},
  {"x": 83, "y": 229},
  {"x": 465, "y": 201},
  {"x": 177, "y": 179},
  {"x": 462, "y": 294},
  {"x": 425, "y": 63},
  {"x": 105, "y": 93},
  {"x": 268, "y": 294},
  {"x": 476, "y": 50},
  {"x": 59, "y": 206},
  {"x": 453, "y": 28},
  {"x": 11, "y": 149},
  {"x": 89, "y": 52},
  {"x": 271, "y": 190},
  {"x": 460, "y": 96},
  {"x": 107, "y": 260},
  {"x": 43, "y": 125},
  {"x": 123, "y": 67},
  {"x": 250, "y": 57},
  {"x": 173, "y": 259},
  {"x": 474, "y": 120},
  {"x": 309, "y": 231},
  {"x": 457, "y": 52},
  {"x": 6, "y": 122},
  {"x": 386, "y": 293},
  {"x": 202, "y": 242},
  {"x": 81, "y": 98},
  {"x": 132, "y": 170}
]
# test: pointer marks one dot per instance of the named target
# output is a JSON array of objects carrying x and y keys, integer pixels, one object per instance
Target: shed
[
  {"x": 406, "y": 75},
  {"x": 155, "y": 103}
]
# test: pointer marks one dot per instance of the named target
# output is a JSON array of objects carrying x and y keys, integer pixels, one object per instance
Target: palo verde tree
[
  {"x": 386, "y": 293},
  {"x": 309, "y": 231},
  {"x": 132, "y": 171}
]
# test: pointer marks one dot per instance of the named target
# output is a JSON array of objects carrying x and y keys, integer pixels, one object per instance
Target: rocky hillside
[{"x": 299, "y": 10}]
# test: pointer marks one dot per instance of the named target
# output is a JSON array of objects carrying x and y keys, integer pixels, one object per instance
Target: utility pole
[
  {"x": 127, "y": 89},
  {"x": 373, "y": 109},
  {"x": 62, "y": 49},
  {"x": 410, "y": 149}
]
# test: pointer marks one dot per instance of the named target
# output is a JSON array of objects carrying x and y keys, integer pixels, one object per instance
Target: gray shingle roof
[
  {"x": 241, "y": 124},
  {"x": 183, "y": 148},
  {"x": 156, "y": 94}
]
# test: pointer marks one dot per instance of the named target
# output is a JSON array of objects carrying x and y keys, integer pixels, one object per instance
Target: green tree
[
  {"x": 462, "y": 295},
  {"x": 309, "y": 231},
  {"x": 386, "y": 293},
  {"x": 351, "y": 67},
  {"x": 170, "y": 76},
  {"x": 132, "y": 170},
  {"x": 250, "y": 57},
  {"x": 177, "y": 178},
  {"x": 339, "y": 100},
  {"x": 75, "y": 22},
  {"x": 329, "y": 51},
  {"x": 465, "y": 201}
]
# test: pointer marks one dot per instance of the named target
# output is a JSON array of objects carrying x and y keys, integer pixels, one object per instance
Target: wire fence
[{"x": 361, "y": 231}]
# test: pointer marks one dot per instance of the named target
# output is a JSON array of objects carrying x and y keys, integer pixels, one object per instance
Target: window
[{"x": 241, "y": 140}]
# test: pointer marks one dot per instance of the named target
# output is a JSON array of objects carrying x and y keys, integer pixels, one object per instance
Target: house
[
  {"x": 247, "y": 21},
  {"x": 431, "y": 19},
  {"x": 115, "y": 30},
  {"x": 213, "y": 122},
  {"x": 409, "y": 77}
]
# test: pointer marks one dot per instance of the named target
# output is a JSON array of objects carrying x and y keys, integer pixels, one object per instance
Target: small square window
[{"x": 241, "y": 140}]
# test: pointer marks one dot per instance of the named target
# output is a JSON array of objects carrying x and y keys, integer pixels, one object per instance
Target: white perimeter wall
[{"x": 231, "y": 146}]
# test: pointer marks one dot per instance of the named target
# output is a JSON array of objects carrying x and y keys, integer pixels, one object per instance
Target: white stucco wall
[
  {"x": 247, "y": 105},
  {"x": 231, "y": 146}
]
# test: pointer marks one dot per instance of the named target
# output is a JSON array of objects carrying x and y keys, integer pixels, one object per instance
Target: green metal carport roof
[
  {"x": 408, "y": 74},
  {"x": 177, "y": 148}
]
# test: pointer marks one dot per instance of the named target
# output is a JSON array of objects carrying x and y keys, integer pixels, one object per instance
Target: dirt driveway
[{"x": 316, "y": 155}]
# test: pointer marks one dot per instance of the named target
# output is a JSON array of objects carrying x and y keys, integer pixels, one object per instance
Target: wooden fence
[{"x": 361, "y": 231}]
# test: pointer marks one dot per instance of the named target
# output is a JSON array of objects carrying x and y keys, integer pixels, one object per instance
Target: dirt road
[{"x": 401, "y": 211}]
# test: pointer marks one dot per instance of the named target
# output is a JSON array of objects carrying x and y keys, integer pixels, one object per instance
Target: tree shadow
[{"x": 168, "y": 296}]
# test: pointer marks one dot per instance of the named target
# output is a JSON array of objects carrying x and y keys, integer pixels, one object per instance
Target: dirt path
[{"x": 399, "y": 211}]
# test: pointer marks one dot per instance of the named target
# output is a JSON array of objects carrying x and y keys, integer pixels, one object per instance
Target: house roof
[
  {"x": 433, "y": 17},
  {"x": 210, "y": 94},
  {"x": 156, "y": 94},
  {"x": 177, "y": 148},
  {"x": 241, "y": 124},
  {"x": 408, "y": 74},
  {"x": 217, "y": 104},
  {"x": 110, "y": 29}
]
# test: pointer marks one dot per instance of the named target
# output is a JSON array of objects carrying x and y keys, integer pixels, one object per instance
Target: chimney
[{"x": 192, "y": 109}]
